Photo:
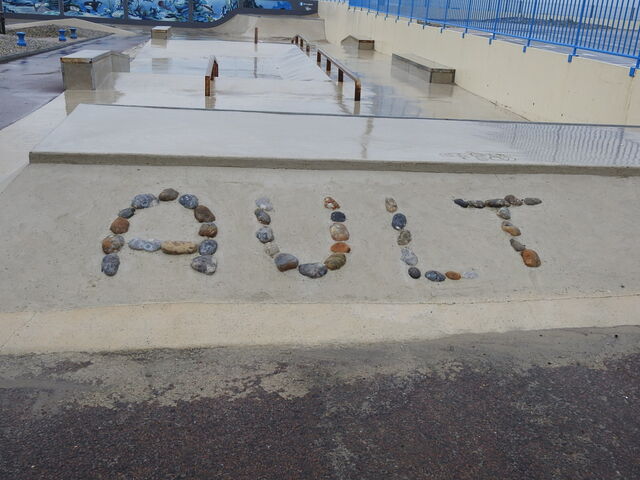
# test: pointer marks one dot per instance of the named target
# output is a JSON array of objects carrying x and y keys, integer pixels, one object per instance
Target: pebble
[
  {"x": 285, "y": 261},
  {"x": 530, "y": 258},
  {"x": 408, "y": 257},
  {"x": 414, "y": 272},
  {"x": 469, "y": 275},
  {"x": 399, "y": 221},
  {"x": 510, "y": 228},
  {"x": 513, "y": 200},
  {"x": 208, "y": 247},
  {"x": 262, "y": 216},
  {"x": 390, "y": 204},
  {"x": 313, "y": 270},
  {"x": 178, "y": 247},
  {"x": 188, "y": 201},
  {"x": 209, "y": 229},
  {"x": 204, "y": 264},
  {"x": 264, "y": 203},
  {"x": 144, "y": 200},
  {"x": 331, "y": 204},
  {"x": 338, "y": 217},
  {"x": 461, "y": 202},
  {"x": 146, "y": 245},
  {"x": 127, "y": 212},
  {"x": 516, "y": 245},
  {"x": 112, "y": 243},
  {"x": 120, "y": 225},
  {"x": 496, "y": 203},
  {"x": 532, "y": 201},
  {"x": 504, "y": 213},
  {"x": 110, "y": 264},
  {"x": 434, "y": 276},
  {"x": 404, "y": 238},
  {"x": 339, "y": 232},
  {"x": 203, "y": 214},
  {"x": 271, "y": 249},
  {"x": 265, "y": 234},
  {"x": 168, "y": 194},
  {"x": 451, "y": 275},
  {"x": 476, "y": 203},
  {"x": 335, "y": 261},
  {"x": 340, "y": 247}
]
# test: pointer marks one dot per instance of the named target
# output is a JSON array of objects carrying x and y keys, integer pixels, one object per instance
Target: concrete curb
[{"x": 17, "y": 56}]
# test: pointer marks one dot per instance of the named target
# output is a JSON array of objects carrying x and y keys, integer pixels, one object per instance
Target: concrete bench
[
  {"x": 160, "y": 33},
  {"x": 362, "y": 42},
  {"x": 432, "y": 71},
  {"x": 87, "y": 69}
]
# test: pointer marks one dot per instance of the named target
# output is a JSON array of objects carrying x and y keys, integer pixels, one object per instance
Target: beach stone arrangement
[
  {"x": 502, "y": 206},
  {"x": 399, "y": 223},
  {"x": 286, "y": 261},
  {"x": 203, "y": 263}
]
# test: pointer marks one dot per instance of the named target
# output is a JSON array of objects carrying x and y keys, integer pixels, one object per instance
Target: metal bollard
[
  {"x": 255, "y": 35},
  {"x": 74, "y": 33},
  {"x": 21, "y": 40},
  {"x": 61, "y": 33}
]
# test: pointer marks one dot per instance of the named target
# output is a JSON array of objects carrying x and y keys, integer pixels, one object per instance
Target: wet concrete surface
[
  {"x": 27, "y": 84},
  {"x": 530, "y": 405}
]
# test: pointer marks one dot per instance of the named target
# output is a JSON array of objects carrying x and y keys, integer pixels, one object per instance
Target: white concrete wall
[{"x": 540, "y": 85}]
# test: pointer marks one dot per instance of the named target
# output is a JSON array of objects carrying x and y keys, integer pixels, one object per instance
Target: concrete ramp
[{"x": 271, "y": 27}]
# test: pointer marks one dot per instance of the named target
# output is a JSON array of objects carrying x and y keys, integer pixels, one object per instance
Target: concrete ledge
[
  {"x": 160, "y": 33},
  {"x": 88, "y": 69},
  {"x": 433, "y": 72},
  {"x": 364, "y": 43}
]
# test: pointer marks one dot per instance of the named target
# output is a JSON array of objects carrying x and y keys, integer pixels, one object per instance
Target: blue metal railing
[{"x": 611, "y": 27}]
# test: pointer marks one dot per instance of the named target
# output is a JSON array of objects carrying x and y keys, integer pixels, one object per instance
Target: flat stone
[
  {"x": 262, "y": 216},
  {"x": 144, "y": 200},
  {"x": 271, "y": 249},
  {"x": 414, "y": 272},
  {"x": 146, "y": 245},
  {"x": 178, "y": 247},
  {"x": 188, "y": 201},
  {"x": 204, "y": 264},
  {"x": 451, "y": 275},
  {"x": 335, "y": 261},
  {"x": 530, "y": 258},
  {"x": 313, "y": 270},
  {"x": 532, "y": 201},
  {"x": 331, "y": 204},
  {"x": 469, "y": 275},
  {"x": 404, "y": 237},
  {"x": 285, "y": 261},
  {"x": 338, "y": 217},
  {"x": 110, "y": 264},
  {"x": 496, "y": 203},
  {"x": 112, "y": 243},
  {"x": 264, "y": 203},
  {"x": 168, "y": 194},
  {"x": 476, "y": 203},
  {"x": 434, "y": 276},
  {"x": 408, "y": 257},
  {"x": 119, "y": 225},
  {"x": 390, "y": 204},
  {"x": 340, "y": 247},
  {"x": 339, "y": 232},
  {"x": 127, "y": 212},
  {"x": 504, "y": 213},
  {"x": 265, "y": 234},
  {"x": 208, "y": 229},
  {"x": 208, "y": 247},
  {"x": 513, "y": 200},
  {"x": 203, "y": 214},
  {"x": 399, "y": 221},
  {"x": 462, "y": 203},
  {"x": 511, "y": 229},
  {"x": 516, "y": 245}
]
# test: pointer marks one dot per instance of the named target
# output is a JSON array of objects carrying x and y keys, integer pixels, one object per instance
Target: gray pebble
[
  {"x": 414, "y": 272},
  {"x": 204, "y": 264},
  {"x": 208, "y": 247},
  {"x": 399, "y": 221},
  {"x": 461, "y": 202},
  {"x": 146, "y": 245},
  {"x": 532, "y": 201},
  {"x": 338, "y": 217},
  {"x": 408, "y": 257},
  {"x": 188, "y": 201},
  {"x": 496, "y": 203},
  {"x": 127, "y": 212},
  {"x": 264, "y": 203},
  {"x": 262, "y": 216},
  {"x": 144, "y": 200},
  {"x": 110, "y": 264},
  {"x": 168, "y": 194},
  {"x": 271, "y": 249},
  {"x": 476, "y": 203},
  {"x": 504, "y": 213},
  {"x": 404, "y": 238},
  {"x": 285, "y": 261},
  {"x": 469, "y": 275},
  {"x": 434, "y": 276},
  {"x": 313, "y": 270},
  {"x": 265, "y": 234},
  {"x": 516, "y": 245},
  {"x": 390, "y": 204},
  {"x": 513, "y": 200}
]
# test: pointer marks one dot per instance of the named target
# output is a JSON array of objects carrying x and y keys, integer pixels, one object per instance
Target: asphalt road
[{"x": 561, "y": 404}]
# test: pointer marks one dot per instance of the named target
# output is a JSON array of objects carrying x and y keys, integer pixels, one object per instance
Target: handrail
[
  {"x": 342, "y": 70},
  {"x": 300, "y": 41},
  {"x": 210, "y": 74}
]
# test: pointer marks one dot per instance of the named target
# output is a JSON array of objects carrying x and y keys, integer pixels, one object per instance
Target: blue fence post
[
  {"x": 398, "y": 10},
  {"x": 446, "y": 15},
  {"x": 466, "y": 28},
  {"x": 411, "y": 13},
  {"x": 427, "y": 4},
  {"x": 495, "y": 23},
  {"x": 533, "y": 21},
  {"x": 578, "y": 31},
  {"x": 386, "y": 15}
]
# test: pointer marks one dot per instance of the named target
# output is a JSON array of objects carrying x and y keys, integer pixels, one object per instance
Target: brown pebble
[
  {"x": 335, "y": 261},
  {"x": 120, "y": 225},
  {"x": 168, "y": 194},
  {"x": 391, "y": 205},
  {"x": 203, "y": 214},
  {"x": 513, "y": 200},
  {"x": 331, "y": 203},
  {"x": 340, "y": 247},
  {"x": 453, "y": 275},
  {"x": 177, "y": 247},
  {"x": 339, "y": 232},
  {"x": 530, "y": 258},
  {"x": 511, "y": 229},
  {"x": 208, "y": 230},
  {"x": 112, "y": 244}
]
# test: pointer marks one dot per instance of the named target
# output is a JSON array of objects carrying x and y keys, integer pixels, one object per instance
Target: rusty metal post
[
  {"x": 255, "y": 35},
  {"x": 207, "y": 86},
  {"x": 328, "y": 65},
  {"x": 318, "y": 57},
  {"x": 215, "y": 68},
  {"x": 356, "y": 95},
  {"x": 308, "y": 49},
  {"x": 340, "y": 76}
]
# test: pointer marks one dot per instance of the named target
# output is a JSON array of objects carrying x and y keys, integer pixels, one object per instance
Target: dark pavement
[
  {"x": 27, "y": 84},
  {"x": 561, "y": 404}
]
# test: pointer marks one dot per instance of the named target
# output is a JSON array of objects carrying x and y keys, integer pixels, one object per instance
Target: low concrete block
[
  {"x": 87, "y": 69},
  {"x": 363, "y": 43},
  {"x": 160, "y": 33},
  {"x": 432, "y": 72}
]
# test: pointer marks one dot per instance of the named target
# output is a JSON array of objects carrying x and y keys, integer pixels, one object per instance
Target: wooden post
[
  {"x": 328, "y": 65},
  {"x": 340, "y": 76},
  {"x": 356, "y": 95},
  {"x": 255, "y": 35},
  {"x": 318, "y": 57}
]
